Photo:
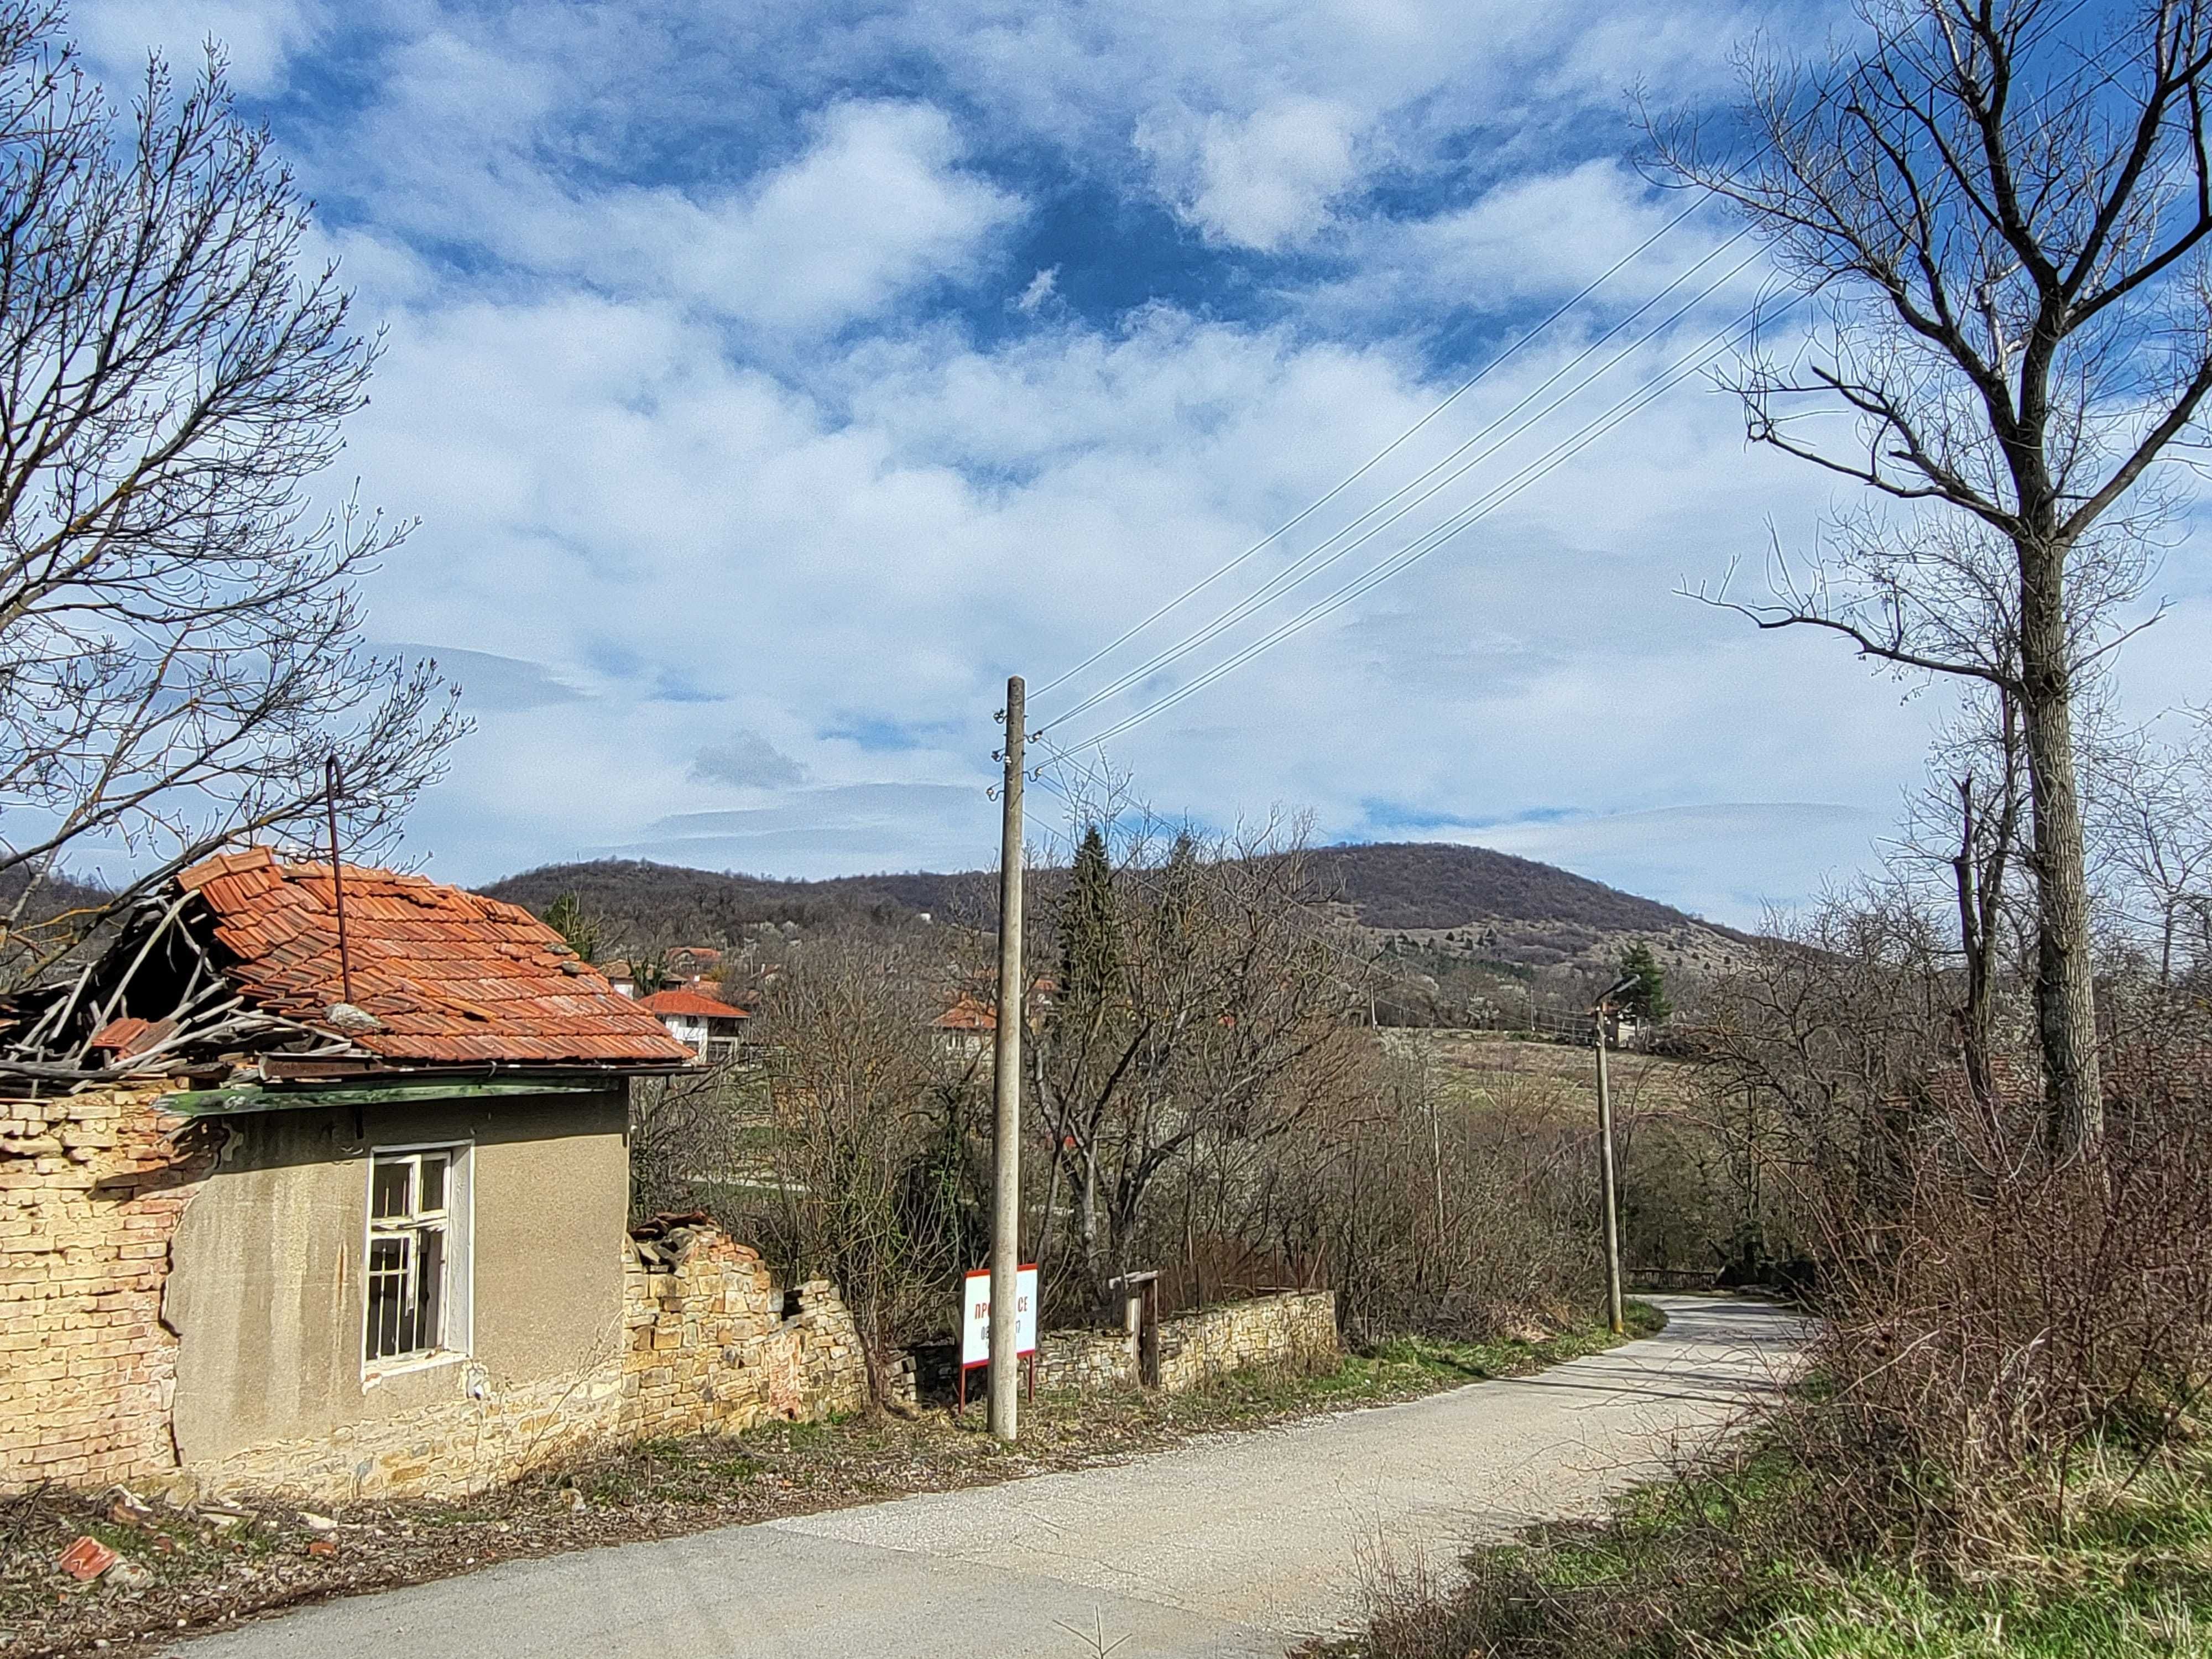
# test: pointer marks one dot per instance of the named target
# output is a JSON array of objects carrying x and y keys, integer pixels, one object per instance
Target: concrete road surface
[{"x": 1235, "y": 1545}]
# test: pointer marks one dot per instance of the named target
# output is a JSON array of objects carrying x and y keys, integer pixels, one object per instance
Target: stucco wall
[{"x": 266, "y": 1292}]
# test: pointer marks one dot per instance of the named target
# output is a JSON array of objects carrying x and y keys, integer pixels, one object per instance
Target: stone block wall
[
  {"x": 91, "y": 1188},
  {"x": 1292, "y": 1329},
  {"x": 713, "y": 1346},
  {"x": 487, "y": 1435},
  {"x": 1087, "y": 1361},
  {"x": 704, "y": 1346}
]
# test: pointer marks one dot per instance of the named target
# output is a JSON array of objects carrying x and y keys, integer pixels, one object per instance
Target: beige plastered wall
[{"x": 265, "y": 1294}]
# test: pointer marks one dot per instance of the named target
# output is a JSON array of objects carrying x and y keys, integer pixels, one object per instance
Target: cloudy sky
[{"x": 771, "y": 381}]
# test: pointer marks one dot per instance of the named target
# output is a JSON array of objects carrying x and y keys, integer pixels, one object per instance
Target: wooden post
[
  {"x": 1606, "y": 1183},
  {"x": 1006, "y": 1089}
]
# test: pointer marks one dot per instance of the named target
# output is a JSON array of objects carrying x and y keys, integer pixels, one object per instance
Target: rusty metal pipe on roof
[{"x": 334, "y": 780}]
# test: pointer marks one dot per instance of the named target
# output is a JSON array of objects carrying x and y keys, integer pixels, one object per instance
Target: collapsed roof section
[{"x": 237, "y": 969}]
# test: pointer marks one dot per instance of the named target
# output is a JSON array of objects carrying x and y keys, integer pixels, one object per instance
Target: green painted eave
[{"x": 293, "y": 1098}]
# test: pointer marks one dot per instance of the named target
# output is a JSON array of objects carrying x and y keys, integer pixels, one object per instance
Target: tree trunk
[
  {"x": 1974, "y": 1019},
  {"x": 2065, "y": 987}
]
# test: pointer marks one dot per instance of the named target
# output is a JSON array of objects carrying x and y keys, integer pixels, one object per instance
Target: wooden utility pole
[
  {"x": 1006, "y": 1086},
  {"x": 1606, "y": 1180}
]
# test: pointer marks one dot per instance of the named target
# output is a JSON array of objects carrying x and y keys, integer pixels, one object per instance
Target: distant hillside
[
  {"x": 1409, "y": 886},
  {"x": 671, "y": 904},
  {"x": 1465, "y": 901},
  {"x": 56, "y": 894}
]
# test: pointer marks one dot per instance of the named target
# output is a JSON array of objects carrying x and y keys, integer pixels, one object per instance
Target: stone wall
[
  {"x": 713, "y": 1346},
  {"x": 1087, "y": 1361},
  {"x": 91, "y": 1188},
  {"x": 1293, "y": 1330},
  {"x": 1290, "y": 1329},
  {"x": 486, "y": 1435}
]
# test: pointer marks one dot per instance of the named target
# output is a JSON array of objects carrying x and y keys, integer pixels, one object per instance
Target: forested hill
[
  {"x": 1408, "y": 885},
  {"x": 1391, "y": 887}
]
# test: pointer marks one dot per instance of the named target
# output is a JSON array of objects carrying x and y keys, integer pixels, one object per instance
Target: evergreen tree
[
  {"x": 1090, "y": 933},
  {"x": 1647, "y": 997}
]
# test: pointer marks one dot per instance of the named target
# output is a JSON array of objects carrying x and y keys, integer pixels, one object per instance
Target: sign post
[{"x": 976, "y": 1323}]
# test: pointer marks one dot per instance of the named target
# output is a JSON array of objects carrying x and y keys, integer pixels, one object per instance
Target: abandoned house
[{"x": 317, "y": 1180}]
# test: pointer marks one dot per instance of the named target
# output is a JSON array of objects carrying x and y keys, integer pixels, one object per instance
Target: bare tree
[
  {"x": 179, "y": 633},
  {"x": 1203, "y": 1001},
  {"x": 1965, "y": 825},
  {"x": 2151, "y": 823},
  {"x": 2000, "y": 209},
  {"x": 870, "y": 1176}
]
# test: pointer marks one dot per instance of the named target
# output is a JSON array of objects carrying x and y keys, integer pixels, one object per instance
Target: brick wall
[{"x": 91, "y": 1186}]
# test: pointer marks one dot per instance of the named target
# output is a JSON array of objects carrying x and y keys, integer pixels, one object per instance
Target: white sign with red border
[{"x": 975, "y": 1316}]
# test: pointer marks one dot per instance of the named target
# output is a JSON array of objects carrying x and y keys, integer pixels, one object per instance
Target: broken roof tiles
[{"x": 448, "y": 976}]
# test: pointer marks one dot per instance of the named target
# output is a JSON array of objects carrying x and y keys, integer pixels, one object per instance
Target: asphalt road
[{"x": 1235, "y": 1545}]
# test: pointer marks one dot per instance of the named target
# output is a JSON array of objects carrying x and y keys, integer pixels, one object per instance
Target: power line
[
  {"x": 1430, "y": 541},
  {"x": 1291, "y": 577},
  {"x": 1354, "y": 477}
]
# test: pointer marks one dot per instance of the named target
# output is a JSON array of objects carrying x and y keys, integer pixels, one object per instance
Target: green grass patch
[
  {"x": 1400, "y": 1369},
  {"x": 1707, "y": 1568}
]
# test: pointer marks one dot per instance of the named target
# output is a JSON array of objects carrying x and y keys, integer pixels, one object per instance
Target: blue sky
[{"x": 772, "y": 381}]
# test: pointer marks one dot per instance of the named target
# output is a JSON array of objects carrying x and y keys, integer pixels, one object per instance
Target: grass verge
[
  {"x": 1707, "y": 1567},
  {"x": 188, "y": 1569}
]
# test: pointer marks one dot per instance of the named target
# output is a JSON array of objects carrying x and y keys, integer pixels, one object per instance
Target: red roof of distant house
[
  {"x": 968, "y": 1015},
  {"x": 681, "y": 1001},
  {"x": 450, "y": 976}
]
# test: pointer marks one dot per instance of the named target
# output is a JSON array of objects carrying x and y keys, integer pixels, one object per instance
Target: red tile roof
[
  {"x": 681, "y": 1001},
  {"x": 968, "y": 1015},
  {"x": 451, "y": 977}
]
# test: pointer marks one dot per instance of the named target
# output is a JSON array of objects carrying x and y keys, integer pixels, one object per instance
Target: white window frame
[{"x": 457, "y": 1337}]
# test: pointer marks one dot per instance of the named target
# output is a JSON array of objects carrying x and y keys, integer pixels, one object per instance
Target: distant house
[
  {"x": 966, "y": 1030},
  {"x": 709, "y": 1028}
]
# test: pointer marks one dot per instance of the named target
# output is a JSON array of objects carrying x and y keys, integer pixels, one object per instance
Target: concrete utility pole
[
  {"x": 1007, "y": 1087},
  {"x": 1606, "y": 1179}
]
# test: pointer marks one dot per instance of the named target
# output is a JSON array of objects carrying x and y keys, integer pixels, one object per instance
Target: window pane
[
  {"x": 388, "y": 1188},
  {"x": 388, "y": 1294},
  {"x": 433, "y": 1183},
  {"x": 430, "y": 1288}
]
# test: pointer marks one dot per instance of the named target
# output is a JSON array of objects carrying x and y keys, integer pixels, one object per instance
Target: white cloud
[
  {"x": 257, "y": 37},
  {"x": 875, "y": 206},
  {"x": 1262, "y": 180},
  {"x": 1039, "y": 292},
  {"x": 664, "y": 386}
]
